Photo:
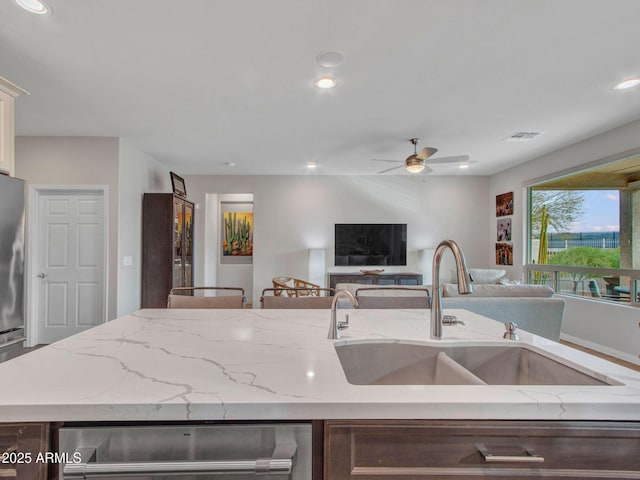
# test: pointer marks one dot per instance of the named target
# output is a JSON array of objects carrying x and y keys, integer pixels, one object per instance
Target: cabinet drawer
[
  {"x": 20, "y": 444},
  {"x": 479, "y": 449}
]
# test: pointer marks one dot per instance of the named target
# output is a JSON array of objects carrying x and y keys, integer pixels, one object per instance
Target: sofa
[{"x": 533, "y": 308}]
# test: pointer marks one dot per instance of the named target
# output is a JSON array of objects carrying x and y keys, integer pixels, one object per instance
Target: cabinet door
[
  {"x": 481, "y": 449},
  {"x": 188, "y": 244},
  {"x": 20, "y": 445},
  {"x": 178, "y": 243},
  {"x": 6, "y": 133}
]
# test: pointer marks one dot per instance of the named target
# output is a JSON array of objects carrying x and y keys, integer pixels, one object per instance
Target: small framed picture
[
  {"x": 504, "y": 254},
  {"x": 504, "y": 204},
  {"x": 177, "y": 183},
  {"x": 503, "y": 231}
]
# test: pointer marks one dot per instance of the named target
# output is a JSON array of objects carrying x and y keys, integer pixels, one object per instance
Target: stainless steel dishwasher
[{"x": 187, "y": 452}]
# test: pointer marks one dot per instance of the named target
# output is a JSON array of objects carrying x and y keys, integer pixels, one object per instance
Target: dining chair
[
  {"x": 206, "y": 297},
  {"x": 294, "y": 287},
  {"x": 273, "y": 298}
]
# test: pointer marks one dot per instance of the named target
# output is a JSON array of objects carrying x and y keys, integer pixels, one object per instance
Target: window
[{"x": 581, "y": 232}]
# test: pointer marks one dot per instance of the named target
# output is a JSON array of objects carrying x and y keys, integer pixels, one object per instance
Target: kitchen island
[
  {"x": 278, "y": 365},
  {"x": 222, "y": 367}
]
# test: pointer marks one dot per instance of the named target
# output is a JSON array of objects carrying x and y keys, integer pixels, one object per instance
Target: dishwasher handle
[{"x": 88, "y": 468}]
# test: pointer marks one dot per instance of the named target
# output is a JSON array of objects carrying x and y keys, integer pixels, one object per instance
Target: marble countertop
[{"x": 278, "y": 365}]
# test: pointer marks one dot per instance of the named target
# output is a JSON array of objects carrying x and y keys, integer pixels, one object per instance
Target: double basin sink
[{"x": 407, "y": 363}]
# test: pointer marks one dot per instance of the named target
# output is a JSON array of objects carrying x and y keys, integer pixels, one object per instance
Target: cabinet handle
[
  {"x": 530, "y": 457},
  {"x": 87, "y": 468}
]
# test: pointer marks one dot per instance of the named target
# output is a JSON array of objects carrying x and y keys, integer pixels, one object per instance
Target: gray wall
[
  {"x": 126, "y": 171},
  {"x": 293, "y": 214},
  {"x": 606, "y": 327},
  {"x": 76, "y": 161},
  {"x": 138, "y": 173}
]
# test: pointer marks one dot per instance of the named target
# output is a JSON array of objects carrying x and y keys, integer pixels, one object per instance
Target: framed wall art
[
  {"x": 504, "y": 204},
  {"x": 504, "y": 254},
  {"x": 237, "y": 232},
  {"x": 178, "y": 185},
  {"x": 503, "y": 230}
]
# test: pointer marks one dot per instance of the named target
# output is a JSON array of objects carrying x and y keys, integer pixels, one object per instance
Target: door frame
[{"x": 35, "y": 192}]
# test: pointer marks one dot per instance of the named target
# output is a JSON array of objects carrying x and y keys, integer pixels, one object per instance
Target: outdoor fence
[{"x": 557, "y": 242}]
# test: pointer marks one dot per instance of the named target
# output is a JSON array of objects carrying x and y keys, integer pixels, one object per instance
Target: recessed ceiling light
[
  {"x": 34, "y": 6},
  {"x": 312, "y": 165},
  {"x": 330, "y": 59},
  {"x": 230, "y": 164},
  {"x": 326, "y": 82},
  {"x": 628, "y": 83},
  {"x": 463, "y": 165}
]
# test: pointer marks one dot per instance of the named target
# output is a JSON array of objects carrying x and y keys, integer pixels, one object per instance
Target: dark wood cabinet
[
  {"x": 23, "y": 448},
  {"x": 420, "y": 449},
  {"x": 167, "y": 246},
  {"x": 375, "y": 279}
]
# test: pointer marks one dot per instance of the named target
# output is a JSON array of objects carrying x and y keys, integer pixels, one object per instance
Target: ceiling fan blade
[
  {"x": 426, "y": 152},
  {"x": 454, "y": 159},
  {"x": 389, "y": 169},
  {"x": 381, "y": 160}
]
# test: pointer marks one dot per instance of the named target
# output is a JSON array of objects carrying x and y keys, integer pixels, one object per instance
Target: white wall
[
  {"x": 293, "y": 214},
  {"x": 76, "y": 161},
  {"x": 138, "y": 173},
  {"x": 586, "y": 322},
  {"x": 611, "y": 329},
  {"x": 127, "y": 173},
  {"x": 237, "y": 275}
]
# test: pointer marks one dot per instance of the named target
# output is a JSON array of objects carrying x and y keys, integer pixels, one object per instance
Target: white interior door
[{"x": 69, "y": 287}]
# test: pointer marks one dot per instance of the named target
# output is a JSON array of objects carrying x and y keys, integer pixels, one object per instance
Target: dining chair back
[
  {"x": 294, "y": 287},
  {"x": 393, "y": 297},
  {"x": 272, "y": 298},
  {"x": 206, "y": 297}
]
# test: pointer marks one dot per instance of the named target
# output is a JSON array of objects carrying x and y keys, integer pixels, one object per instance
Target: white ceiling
[{"x": 197, "y": 83}]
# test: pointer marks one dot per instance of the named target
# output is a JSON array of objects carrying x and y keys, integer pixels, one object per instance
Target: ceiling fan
[{"x": 417, "y": 162}]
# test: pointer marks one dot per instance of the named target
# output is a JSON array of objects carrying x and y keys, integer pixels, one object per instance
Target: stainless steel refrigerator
[{"x": 12, "y": 221}]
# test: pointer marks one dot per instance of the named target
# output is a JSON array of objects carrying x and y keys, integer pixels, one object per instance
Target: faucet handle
[
  {"x": 451, "y": 320},
  {"x": 344, "y": 325}
]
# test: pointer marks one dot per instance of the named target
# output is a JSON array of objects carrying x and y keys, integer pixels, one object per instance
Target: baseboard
[{"x": 601, "y": 348}]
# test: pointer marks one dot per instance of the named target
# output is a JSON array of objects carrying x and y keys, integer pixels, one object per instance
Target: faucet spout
[
  {"x": 464, "y": 285},
  {"x": 335, "y": 326}
]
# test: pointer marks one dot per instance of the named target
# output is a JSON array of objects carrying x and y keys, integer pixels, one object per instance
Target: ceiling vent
[{"x": 521, "y": 136}]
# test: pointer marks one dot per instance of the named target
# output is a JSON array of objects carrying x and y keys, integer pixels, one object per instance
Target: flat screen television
[{"x": 370, "y": 244}]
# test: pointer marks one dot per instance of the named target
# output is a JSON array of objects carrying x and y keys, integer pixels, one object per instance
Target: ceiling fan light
[{"x": 414, "y": 165}]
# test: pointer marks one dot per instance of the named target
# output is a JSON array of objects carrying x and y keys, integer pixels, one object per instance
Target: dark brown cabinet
[
  {"x": 375, "y": 279},
  {"x": 167, "y": 246},
  {"x": 419, "y": 449},
  {"x": 23, "y": 449}
]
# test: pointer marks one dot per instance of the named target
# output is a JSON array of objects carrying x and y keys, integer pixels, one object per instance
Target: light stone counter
[{"x": 277, "y": 365}]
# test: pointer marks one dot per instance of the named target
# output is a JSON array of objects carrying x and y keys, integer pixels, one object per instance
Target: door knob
[{"x": 42, "y": 275}]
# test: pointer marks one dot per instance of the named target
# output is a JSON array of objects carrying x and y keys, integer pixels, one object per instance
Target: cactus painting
[{"x": 238, "y": 234}]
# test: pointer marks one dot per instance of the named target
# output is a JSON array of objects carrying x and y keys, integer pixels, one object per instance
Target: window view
[{"x": 581, "y": 239}]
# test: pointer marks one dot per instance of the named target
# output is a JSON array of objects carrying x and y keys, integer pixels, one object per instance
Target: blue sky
[{"x": 601, "y": 209}]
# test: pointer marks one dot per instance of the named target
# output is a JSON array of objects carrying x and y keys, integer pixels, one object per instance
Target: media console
[{"x": 375, "y": 278}]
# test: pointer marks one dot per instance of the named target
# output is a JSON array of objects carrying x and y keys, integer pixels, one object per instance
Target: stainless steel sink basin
[{"x": 397, "y": 363}]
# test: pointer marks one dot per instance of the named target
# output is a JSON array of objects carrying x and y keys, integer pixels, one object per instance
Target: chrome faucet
[
  {"x": 464, "y": 287},
  {"x": 335, "y": 326}
]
